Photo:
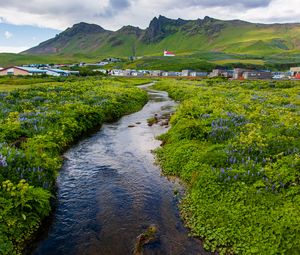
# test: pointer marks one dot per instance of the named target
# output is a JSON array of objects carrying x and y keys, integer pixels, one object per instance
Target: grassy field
[
  {"x": 14, "y": 82},
  {"x": 36, "y": 126},
  {"x": 242, "y": 61},
  {"x": 236, "y": 145},
  {"x": 13, "y": 87}
]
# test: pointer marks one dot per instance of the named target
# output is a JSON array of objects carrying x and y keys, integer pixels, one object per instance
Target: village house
[
  {"x": 137, "y": 73},
  {"x": 58, "y": 72},
  {"x": 221, "y": 73},
  {"x": 280, "y": 75},
  {"x": 169, "y": 53},
  {"x": 198, "y": 74},
  {"x": 156, "y": 73},
  {"x": 117, "y": 72},
  {"x": 186, "y": 73},
  {"x": 18, "y": 70},
  {"x": 295, "y": 72},
  {"x": 238, "y": 73},
  {"x": 257, "y": 75},
  {"x": 171, "y": 74}
]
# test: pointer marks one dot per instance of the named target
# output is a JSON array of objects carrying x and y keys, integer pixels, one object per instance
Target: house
[
  {"x": 171, "y": 74},
  {"x": 238, "y": 73},
  {"x": 216, "y": 73},
  {"x": 116, "y": 72},
  {"x": 58, "y": 72},
  {"x": 112, "y": 60},
  {"x": 227, "y": 74},
  {"x": 137, "y": 73},
  {"x": 198, "y": 74},
  {"x": 280, "y": 75},
  {"x": 186, "y": 73},
  {"x": 169, "y": 54},
  {"x": 156, "y": 73},
  {"x": 20, "y": 70},
  {"x": 295, "y": 72},
  {"x": 103, "y": 63},
  {"x": 257, "y": 75}
]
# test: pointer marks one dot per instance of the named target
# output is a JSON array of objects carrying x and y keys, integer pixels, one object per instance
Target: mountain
[{"x": 181, "y": 36}]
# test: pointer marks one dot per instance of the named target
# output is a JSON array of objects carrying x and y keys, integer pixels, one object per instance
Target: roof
[
  {"x": 26, "y": 69},
  {"x": 30, "y": 69},
  {"x": 59, "y": 71},
  {"x": 168, "y": 52}
]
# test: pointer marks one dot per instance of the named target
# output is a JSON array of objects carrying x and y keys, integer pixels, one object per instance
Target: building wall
[
  {"x": 186, "y": 72},
  {"x": 257, "y": 75},
  {"x": 295, "y": 69},
  {"x": 15, "y": 71}
]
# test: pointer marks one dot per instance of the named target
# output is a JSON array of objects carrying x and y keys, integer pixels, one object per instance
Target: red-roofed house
[{"x": 168, "y": 54}]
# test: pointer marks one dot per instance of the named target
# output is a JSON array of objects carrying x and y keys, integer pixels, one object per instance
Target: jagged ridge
[{"x": 181, "y": 36}]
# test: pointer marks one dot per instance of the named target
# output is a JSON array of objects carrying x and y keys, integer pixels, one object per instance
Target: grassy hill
[
  {"x": 205, "y": 39},
  {"x": 181, "y": 36}
]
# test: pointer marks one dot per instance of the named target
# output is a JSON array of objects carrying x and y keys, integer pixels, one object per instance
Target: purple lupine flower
[{"x": 3, "y": 162}]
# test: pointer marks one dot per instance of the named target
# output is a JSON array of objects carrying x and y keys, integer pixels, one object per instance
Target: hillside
[{"x": 181, "y": 36}]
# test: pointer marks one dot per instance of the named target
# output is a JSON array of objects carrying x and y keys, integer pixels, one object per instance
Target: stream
[{"x": 110, "y": 191}]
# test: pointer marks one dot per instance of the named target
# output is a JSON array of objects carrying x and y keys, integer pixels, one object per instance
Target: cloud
[
  {"x": 8, "y": 35},
  {"x": 238, "y": 4},
  {"x": 113, "y": 14},
  {"x": 11, "y": 49}
]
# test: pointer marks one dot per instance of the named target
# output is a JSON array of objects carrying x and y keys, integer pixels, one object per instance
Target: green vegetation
[
  {"x": 10, "y": 83},
  {"x": 206, "y": 61},
  {"x": 165, "y": 63},
  {"x": 194, "y": 42},
  {"x": 236, "y": 145},
  {"x": 10, "y": 59},
  {"x": 36, "y": 126}
]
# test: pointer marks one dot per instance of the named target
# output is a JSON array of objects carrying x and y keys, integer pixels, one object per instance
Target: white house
[
  {"x": 137, "y": 73},
  {"x": 156, "y": 73},
  {"x": 186, "y": 72}
]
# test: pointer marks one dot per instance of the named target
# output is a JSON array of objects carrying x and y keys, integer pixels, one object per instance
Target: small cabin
[{"x": 169, "y": 54}]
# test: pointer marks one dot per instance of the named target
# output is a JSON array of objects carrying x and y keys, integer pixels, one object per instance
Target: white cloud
[
  {"x": 8, "y": 35},
  {"x": 10, "y": 49},
  {"x": 113, "y": 14}
]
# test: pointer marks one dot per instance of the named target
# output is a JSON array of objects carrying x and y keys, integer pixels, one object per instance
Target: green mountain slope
[{"x": 180, "y": 36}]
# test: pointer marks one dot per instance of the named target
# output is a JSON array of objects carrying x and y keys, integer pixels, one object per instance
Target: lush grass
[
  {"x": 36, "y": 126},
  {"x": 166, "y": 63},
  {"x": 237, "y": 145},
  {"x": 238, "y": 61},
  {"x": 233, "y": 38},
  {"x": 10, "y": 59},
  {"x": 18, "y": 82}
]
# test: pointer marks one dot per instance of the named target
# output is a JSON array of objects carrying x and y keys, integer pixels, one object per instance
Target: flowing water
[{"x": 110, "y": 191}]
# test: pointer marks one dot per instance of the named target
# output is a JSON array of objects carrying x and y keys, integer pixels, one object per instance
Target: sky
[{"x": 24, "y": 24}]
